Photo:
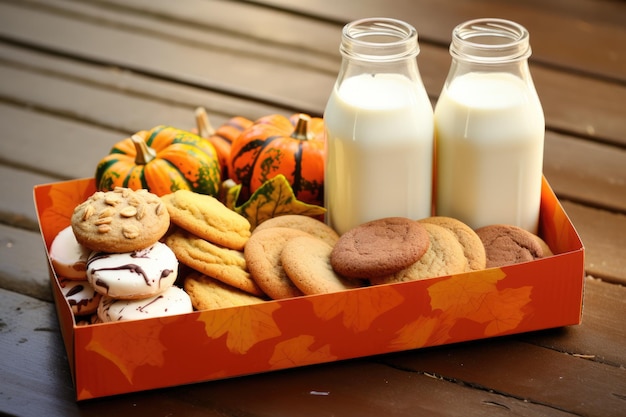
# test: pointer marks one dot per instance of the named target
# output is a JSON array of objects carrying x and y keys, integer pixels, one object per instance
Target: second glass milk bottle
[
  {"x": 489, "y": 129},
  {"x": 379, "y": 128}
]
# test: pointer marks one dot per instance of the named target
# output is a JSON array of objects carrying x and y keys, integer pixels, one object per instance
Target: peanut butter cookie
[
  {"x": 262, "y": 253},
  {"x": 306, "y": 260},
  {"x": 121, "y": 220},
  {"x": 472, "y": 245}
]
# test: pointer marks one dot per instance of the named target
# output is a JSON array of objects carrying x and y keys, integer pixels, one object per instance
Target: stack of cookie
[
  {"x": 209, "y": 238},
  {"x": 397, "y": 249},
  {"x": 288, "y": 256},
  {"x": 127, "y": 265}
]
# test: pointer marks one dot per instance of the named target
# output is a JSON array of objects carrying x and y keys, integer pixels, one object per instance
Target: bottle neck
[
  {"x": 379, "y": 40},
  {"x": 490, "y": 45},
  {"x": 379, "y": 45}
]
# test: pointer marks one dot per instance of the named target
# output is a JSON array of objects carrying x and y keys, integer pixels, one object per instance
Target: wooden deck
[{"x": 77, "y": 76}]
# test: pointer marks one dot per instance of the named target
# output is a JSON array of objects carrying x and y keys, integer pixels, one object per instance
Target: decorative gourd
[
  {"x": 162, "y": 160},
  {"x": 223, "y": 137},
  {"x": 275, "y": 145}
]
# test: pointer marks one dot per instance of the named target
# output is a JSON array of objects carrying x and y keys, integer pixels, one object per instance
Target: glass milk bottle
[
  {"x": 489, "y": 129},
  {"x": 379, "y": 128}
]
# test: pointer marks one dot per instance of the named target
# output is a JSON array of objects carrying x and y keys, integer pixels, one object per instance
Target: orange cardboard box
[{"x": 114, "y": 358}]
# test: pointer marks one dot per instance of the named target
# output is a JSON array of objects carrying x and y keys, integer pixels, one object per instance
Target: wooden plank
[
  {"x": 602, "y": 335},
  {"x": 35, "y": 375},
  {"x": 48, "y": 67},
  {"x": 286, "y": 82},
  {"x": 47, "y": 146},
  {"x": 586, "y": 171},
  {"x": 564, "y": 33},
  {"x": 23, "y": 264},
  {"x": 604, "y": 236},
  {"x": 359, "y": 388},
  {"x": 512, "y": 368},
  {"x": 199, "y": 64},
  {"x": 17, "y": 208}
]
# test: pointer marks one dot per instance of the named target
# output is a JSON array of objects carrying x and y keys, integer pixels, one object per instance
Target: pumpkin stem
[
  {"x": 301, "y": 131},
  {"x": 205, "y": 129},
  {"x": 145, "y": 153}
]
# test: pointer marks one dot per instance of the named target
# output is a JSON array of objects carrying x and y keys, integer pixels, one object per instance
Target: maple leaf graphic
[
  {"x": 417, "y": 333},
  {"x": 244, "y": 326},
  {"x": 123, "y": 352},
  {"x": 503, "y": 310},
  {"x": 476, "y": 297},
  {"x": 359, "y": 308},
  {"x": 297, "y": 352}
]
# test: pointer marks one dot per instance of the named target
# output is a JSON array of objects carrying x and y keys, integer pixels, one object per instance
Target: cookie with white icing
[
  {"x": 133, "y": 275},
  {"x": 171, "y": 302},
  {"x": 69, "y": 258},
  {"x": 80, "y": 295}
]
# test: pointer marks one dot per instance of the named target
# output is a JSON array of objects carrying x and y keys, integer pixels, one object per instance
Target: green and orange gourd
[{"x": 161, "y": 160}]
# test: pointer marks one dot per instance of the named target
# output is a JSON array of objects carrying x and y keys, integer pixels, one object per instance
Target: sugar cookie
[
  {"x": 224, "y": 264},
  {"x": 206, "y": 217},
  {"x": 262, "y": 253},
  {"x": 472, "y": 245},
  {"x": 207, "y": 293},
  {"x": 307, "y": 224},
  {"x": 444, "y": 256},
  {"x": 306, "y": 261}
]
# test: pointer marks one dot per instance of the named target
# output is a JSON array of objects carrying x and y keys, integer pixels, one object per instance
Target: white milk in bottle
[
  {"x": 379, "y": 129},
  {"x": 489, "y": 129}
]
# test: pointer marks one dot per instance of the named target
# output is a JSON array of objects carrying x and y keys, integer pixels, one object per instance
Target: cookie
[
  {"x": 80, "y": 295},
  {"x": 68, "y": 257},
  {"x": 307, "y": 224},
  {"x": 306, "y": 261},
  {"x": 207, "y": 293},
  {"x": 445, "y": 256},
  {"x": 171, "y": 302},
  {"x": 121, "y": 220},
  {"x": 132, "y": 275},
  {"x": 206, "y": 217},
  {"x": 224, "y": 264},
  {"x": 472, "y": 245},
  {"x": 262, "y": 253},
  {"x": 507, "y": 244},
  {"x": 379, "y": 248},
  {"x": 544, "y": 246}
]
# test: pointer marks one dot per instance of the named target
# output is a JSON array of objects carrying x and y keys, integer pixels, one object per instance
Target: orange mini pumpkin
[
  {"x": 222, "y": 137},
  {"x": 162, "y": 160},
  {"x": 276, "y": 145}
]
